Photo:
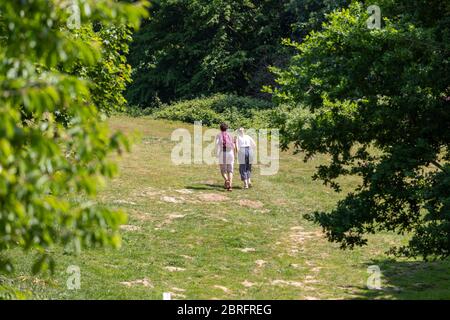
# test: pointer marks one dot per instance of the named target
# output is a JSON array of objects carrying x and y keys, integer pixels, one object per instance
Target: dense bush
[{"x": 236, "y": 111}]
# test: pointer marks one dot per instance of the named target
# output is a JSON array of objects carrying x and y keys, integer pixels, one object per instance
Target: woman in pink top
[{"x": 225, "y": 153}]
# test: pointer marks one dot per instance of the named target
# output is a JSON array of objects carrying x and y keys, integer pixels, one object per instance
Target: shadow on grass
[
  {"x": 408, "y": 280},
  {"x": 210, "y": 187}
]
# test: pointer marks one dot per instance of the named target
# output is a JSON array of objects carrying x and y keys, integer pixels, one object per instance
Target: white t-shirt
[{"x": 245, "y": 141}]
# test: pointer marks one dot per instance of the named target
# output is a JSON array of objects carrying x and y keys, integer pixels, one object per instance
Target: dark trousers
[{"x": 245, "y": 167}]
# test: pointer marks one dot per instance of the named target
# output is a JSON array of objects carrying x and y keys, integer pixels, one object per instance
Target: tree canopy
[
  {"x": 57, "y": 82},
  {"x": 190, "y": 48},
  {"x": 378, "y": 102}
]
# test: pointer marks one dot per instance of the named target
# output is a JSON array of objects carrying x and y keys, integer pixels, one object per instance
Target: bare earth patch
[
  {"x": 35, "y": 280},
  {"x": 247, "y": 250},
  {"x": 248, "y": 284},
  {"x": 176, "y": 296},
  {"x": 212, "y": 197},
  {"x": 298, "y": 237},
  {"x": 309, "y": 263},
  {"x": 169, "y": 219},
  {"x": 173, "y": 216},
  {"x": 140, "y": 215},
  {"x": 150, "y": 192},
  {"x": 172, "y": 199},
  {"x": 287, "y": 283},
  {"x": 291, "y": 283},
  {"x": 260, "y": 263},
  {"x": 280, "y": 202},
  {"x": 130, "y": 228},
  {"x": 184, "y": 191},
  {"x": 224, "y": 289},
  {"x": 120, "y": 201},
  {"x": 174, "y": 269},
  {"x": 142, "y": 282},
  {"x": 310, "y": 279},
  {"x": 301, "y": 237},
  {"x": 251, "y": 204}
]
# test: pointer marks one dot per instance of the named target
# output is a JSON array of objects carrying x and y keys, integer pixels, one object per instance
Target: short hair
[{"x": 223, "y": 127}]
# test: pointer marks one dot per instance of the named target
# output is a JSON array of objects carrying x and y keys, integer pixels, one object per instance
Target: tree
[
  {"x": 308, "y": 15},
  {"x": 112, "y": 73},
  {"x": 378, "y": 102},
  {"x": 191, "y": 48},
  {"x": 199, "y": 47},
  {"x": 53, "y": 141}
]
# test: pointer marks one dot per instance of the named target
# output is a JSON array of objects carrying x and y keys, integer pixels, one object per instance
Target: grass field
[{"x": 187, "y": 236}]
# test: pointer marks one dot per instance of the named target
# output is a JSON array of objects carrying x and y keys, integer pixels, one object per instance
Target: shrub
[
  {"x": 138, "y": 112},
  {"x": 236, "y": 111}
]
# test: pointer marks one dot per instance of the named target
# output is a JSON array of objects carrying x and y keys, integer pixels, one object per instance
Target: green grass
[{"x": 224, "y": 250}]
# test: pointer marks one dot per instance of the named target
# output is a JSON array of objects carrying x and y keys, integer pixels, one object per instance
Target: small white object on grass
[{"x": 167, "y": 296}]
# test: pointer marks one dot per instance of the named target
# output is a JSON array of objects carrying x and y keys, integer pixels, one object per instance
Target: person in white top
[{"x": 245, "y": 147}]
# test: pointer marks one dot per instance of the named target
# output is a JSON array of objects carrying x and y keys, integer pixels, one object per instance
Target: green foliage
[
  {"x": 385, "y": 90},
  {"x": 310, "y": 14},
  {"x": 111, "y": 74},
  {"x": 53, "y": 140},
  {"x": 234, "y": 110},
  {"x": 8, "y": 291},
  {"x": 193, "y": 48},
  {"x": 139, "y": 112}
]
